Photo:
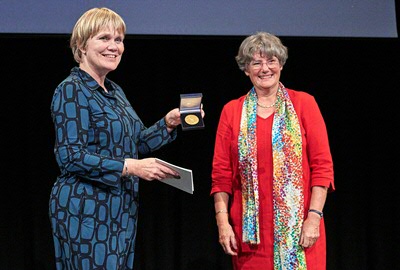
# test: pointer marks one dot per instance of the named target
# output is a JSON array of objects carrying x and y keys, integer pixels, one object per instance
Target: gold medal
[{"x": 191, "y": 119}]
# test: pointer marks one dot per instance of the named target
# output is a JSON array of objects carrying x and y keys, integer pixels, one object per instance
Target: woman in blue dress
[{"x": 93, "y": 204}]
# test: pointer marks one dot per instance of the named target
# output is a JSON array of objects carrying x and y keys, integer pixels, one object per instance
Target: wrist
[
  {"x": 222, "y": 211},
  {"x": 125, "y": 170},
  {"x": 319, "y": 213},
  {"x": 168, "y": 124}
]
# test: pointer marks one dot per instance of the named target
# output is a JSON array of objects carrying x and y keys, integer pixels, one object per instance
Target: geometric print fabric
[{"x": 93, "y": 209}]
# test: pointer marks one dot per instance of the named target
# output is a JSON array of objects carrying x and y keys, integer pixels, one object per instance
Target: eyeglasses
[{"x": 258, "y": 64}]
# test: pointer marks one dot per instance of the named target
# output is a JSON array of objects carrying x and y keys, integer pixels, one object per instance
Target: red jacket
[{"x": 317, "y": 160}]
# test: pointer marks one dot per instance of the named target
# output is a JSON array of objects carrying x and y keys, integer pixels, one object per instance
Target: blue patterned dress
[{"x": 93, "y": 209}]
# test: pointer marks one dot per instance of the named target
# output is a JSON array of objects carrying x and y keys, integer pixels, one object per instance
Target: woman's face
[
  {"x": 103, "y": 52},
  {"x": 264, "y": 72}
]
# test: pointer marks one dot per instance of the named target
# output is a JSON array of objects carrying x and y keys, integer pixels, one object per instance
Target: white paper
[{"x": 185, "y": 183}]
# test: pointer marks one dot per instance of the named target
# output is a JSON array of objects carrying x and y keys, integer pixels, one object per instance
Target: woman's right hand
[
  {"x": 149, "y": 169},
  {"x": 227, "y": 238}
]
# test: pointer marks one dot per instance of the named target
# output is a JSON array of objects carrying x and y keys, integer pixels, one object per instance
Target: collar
[{"x": 92, "y": 84}]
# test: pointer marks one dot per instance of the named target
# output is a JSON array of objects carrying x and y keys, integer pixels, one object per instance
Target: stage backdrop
[
  {"x": 355, "y": 81},
  {"x": 348, "y": 18}
]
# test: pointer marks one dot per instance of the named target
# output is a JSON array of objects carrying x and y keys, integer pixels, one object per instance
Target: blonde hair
[
  {"x": 263, "y": 43},
  {"x": 89, "y": 24}
]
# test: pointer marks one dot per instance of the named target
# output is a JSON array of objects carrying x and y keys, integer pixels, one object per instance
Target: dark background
[{"x": 354, "y": 80}]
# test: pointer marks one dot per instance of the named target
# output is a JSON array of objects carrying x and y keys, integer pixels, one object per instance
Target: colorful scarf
[{"x": 287, "y": 192}]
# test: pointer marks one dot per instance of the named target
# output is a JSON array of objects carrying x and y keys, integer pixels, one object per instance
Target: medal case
[{"x": 190, "y": 109}]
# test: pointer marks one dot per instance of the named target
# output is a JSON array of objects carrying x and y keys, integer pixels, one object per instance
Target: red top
[{"x": 317, "y": 171}]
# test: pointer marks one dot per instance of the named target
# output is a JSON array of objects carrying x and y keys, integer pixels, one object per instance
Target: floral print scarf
[{"x": 288, "y": 198}]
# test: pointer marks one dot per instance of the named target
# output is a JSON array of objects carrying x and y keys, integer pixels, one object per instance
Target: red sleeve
[
  {"x": 318, "y": 150},
  {"x": 222, "y": 168}
]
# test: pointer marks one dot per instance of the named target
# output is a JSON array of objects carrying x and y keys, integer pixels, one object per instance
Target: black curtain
[{"x": 354, "y": 80}]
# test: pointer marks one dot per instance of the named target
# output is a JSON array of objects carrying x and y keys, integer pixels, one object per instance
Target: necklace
[{"x": 268, "y": 106}]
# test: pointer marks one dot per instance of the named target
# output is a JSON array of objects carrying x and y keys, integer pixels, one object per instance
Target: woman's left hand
[
  {"x": 310, "y": 231},
  {"x": 202, "y": 111},
  {"x": 173, "y": 117}
]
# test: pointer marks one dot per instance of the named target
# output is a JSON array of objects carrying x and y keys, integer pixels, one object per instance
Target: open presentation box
[{"x": 190, "y": 109}]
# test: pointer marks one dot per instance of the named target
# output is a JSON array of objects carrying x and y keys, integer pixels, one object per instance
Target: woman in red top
[{"x": 272, "y": 168}]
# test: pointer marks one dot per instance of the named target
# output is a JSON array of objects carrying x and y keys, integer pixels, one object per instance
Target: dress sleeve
[
  {"x": 71, "y": 117},
  {"x": 318, "y": 150},
  {"x": 222, "y": 171},
  {"x": 154, "y": 137},
  {"x": 148, "y": 139}
]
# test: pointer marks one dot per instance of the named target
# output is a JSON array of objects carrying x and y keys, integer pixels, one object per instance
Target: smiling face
[
  {"x": 264, "y": 72},
  {"x": 103, "y": 52}
]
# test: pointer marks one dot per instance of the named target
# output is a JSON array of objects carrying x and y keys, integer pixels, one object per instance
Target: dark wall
[{"x": 355, "y": 82}]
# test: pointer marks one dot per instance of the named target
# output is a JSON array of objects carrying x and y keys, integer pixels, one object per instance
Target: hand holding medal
[{"x": 191, "y": 111}]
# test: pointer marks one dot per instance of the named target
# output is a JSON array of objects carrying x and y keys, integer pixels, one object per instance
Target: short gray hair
[{"x": 265, "y": 44}]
